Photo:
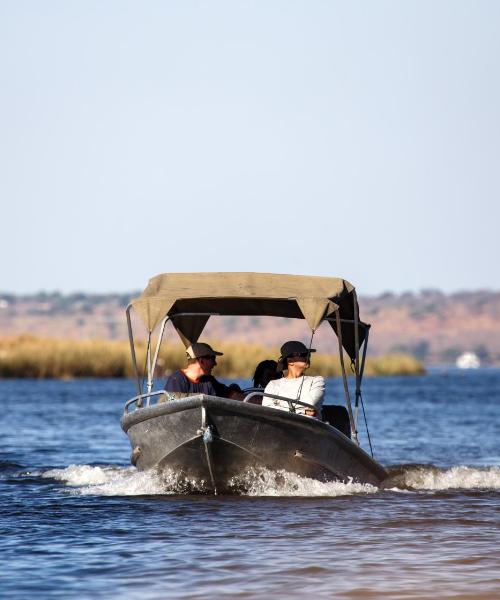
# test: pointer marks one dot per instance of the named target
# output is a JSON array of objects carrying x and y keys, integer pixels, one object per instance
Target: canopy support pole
[
  {"x": 148, "y": 358},
  {"x": 356, "y": 358},
  {"x": 365, "y": 347},
  {"x": 158, "y": 344},
  {"x": 132, "y": 350},
  {"x": 344, "y": 379},
  {"x": 360, "y": 370}
]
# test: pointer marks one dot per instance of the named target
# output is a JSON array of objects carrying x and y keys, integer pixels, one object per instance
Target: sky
[{"x": 349, "y": 139}]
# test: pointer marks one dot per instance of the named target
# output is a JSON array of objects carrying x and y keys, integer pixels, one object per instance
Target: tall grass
[{"x": 28, "y": 356}]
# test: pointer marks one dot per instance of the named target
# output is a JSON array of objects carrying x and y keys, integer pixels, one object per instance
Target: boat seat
[{"x": 338, "y": 417}]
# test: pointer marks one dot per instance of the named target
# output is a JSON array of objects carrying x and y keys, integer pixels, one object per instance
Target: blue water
[{"x": 77, "y": 521}]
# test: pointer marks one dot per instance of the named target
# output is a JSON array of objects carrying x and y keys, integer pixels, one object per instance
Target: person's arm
[
  {"x": 235, "y": 392},
  {"x": 316, "y": 392},
  {"x": 274, "y": 387},
  {"x": 270, "y": 388},
  {"x": 313, "y": 393},
  {"x": 220, "y": 389},
  {"x": 176, "y": 383},
  {"x": 232, "y": 391}
]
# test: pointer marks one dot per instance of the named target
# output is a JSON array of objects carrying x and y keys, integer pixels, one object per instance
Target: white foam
[
  {"x": 127, "y": 481},
  {"x": 75, "y": 475},
  {"x": 263, "y": 482},
  {"x": 108, "y": 481},
  {"x": 455, "y": 478}
]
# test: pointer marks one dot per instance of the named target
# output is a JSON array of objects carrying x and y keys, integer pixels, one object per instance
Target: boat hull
[{"x": 215, "y": 441}]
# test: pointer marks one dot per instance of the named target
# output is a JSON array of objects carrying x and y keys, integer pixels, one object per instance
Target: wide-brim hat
[
  {"x": 289, "y": 349},
  {"x": 199, "y": 349}
]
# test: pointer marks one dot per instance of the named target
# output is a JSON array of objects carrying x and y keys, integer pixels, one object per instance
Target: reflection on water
[{"x": 78, "y": 521}]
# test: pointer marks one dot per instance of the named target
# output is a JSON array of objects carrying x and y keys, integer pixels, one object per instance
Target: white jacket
[{"x": 312, "y": 391}]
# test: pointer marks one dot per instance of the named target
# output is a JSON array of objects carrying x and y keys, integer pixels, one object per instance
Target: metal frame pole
[
  {"x": 158, "y": 344},
  {"x": 365, "y": 347},
  {"x": 344, "y": 379},
  {"x": 148, "y": 361},
  {"x": 132, "y": 349},
  {"x": 356, "y": 357}
]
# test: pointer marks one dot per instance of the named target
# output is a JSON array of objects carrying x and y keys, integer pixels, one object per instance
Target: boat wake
[
  {"x": 263, "y": 482},
  {"x": 431, "y": 478},
  {"x": 127, "y": 481},
  {"x": 110, "y": 481}
]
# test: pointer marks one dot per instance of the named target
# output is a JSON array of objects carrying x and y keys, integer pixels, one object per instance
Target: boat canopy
[{"x": 252, "y": 294}]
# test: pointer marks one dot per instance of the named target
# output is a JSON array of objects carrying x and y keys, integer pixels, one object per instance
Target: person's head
[
  {"x": 295, "y": 356},
  {"x": 203, "y": 355},
  {"x": 265, "y": 372}
]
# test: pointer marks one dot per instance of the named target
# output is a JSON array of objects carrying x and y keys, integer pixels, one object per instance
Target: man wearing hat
[
  {"x": 294, "y": 360},
  {"x": 197, "y": 377}
]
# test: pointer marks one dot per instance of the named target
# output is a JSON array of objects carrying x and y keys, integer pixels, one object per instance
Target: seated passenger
[
  {"x": 197, "y": 377},
  {"x": 295, "y": 359},
  {"x": 265, "y": 372}
]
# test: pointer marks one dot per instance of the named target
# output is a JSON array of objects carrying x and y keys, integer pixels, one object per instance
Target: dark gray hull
[{"x": 215, "y": 440}]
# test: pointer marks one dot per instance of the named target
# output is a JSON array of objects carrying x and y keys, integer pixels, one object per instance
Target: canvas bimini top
[{"x": 252, "y": 294}]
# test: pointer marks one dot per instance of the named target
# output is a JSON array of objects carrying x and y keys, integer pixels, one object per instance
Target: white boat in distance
[{"x": 468, "y": 360}]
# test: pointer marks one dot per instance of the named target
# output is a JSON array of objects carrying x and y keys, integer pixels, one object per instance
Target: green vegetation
[{"x": 27, "y": 356}]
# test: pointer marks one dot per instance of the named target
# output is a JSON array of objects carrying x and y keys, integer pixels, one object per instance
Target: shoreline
[{"x": 30, "y": 357}]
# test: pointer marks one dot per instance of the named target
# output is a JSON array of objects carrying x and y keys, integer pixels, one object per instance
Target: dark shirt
[{"x": 207, "y": 384}]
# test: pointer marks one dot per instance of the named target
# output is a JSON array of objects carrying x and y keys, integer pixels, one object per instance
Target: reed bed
[{"x": 49, "y": 358}]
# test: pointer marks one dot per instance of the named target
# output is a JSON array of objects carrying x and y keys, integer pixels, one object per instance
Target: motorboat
[
  {"x": 214, "y": 441},
  {"x": 468, "y": 360}
]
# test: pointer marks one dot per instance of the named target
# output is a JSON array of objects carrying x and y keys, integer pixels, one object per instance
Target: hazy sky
[{"x": 354, "y": 139}]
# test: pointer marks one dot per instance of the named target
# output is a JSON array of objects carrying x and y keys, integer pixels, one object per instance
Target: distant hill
[{"x": 433, "y": 326}]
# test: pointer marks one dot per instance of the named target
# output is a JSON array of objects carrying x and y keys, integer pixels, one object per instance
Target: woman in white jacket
[{"x": 295, "y": 359}]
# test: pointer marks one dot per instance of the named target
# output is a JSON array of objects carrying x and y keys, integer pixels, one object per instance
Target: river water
[{"x": 77, "y": 521}]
